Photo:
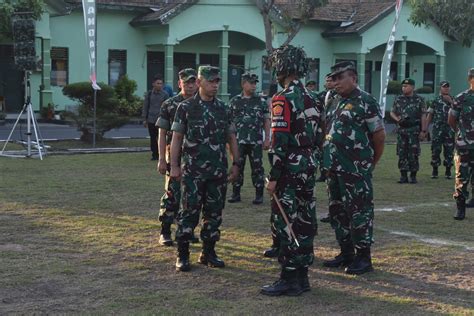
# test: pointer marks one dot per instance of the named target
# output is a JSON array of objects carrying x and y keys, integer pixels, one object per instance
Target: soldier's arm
[
  {"x": 266, "y": 125},
  {"x": 378, "y": 139},
  {"x": 453, "y": 113},
  {"x": 281, "y": 117},
  {"x": 424, "y": 112},
  {"x": 176, "y": 143}
]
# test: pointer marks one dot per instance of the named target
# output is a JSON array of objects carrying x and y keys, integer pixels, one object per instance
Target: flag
[
  {"x": 387, "y": 58},
  {"x": 90, "y": 24}
]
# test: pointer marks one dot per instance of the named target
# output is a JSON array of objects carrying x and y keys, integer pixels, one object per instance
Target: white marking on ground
[
  {"x": 433, "y": 241},
  {"x": 391, "y": 209}
]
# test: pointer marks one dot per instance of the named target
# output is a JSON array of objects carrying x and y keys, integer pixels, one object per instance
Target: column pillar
[
  {"x": 440, "y": 71},
  {"x": 402, "y": 58},
  {"x": 46, "y": 94},
  {"x": 224, "y": 64},
  {"x": 361, "y": 70},
  {"x": 169, "y": 64}
]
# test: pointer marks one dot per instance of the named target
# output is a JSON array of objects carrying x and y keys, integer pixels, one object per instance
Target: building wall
[{"x": 460, "y": 60}]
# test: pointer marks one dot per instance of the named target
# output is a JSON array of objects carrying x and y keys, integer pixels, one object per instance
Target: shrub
[
  {"x": 424, "y": 89},
  {"x": 128, "y": 103},
  {"x": 394, "y": 87}
]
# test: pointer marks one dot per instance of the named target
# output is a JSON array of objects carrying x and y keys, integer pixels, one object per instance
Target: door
[
  {"x": 155, "y": 66},
  {"x": 11, "y": 81}
]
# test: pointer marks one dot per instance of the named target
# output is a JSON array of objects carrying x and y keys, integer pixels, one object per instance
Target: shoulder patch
[{"x": 280, "y": 114}]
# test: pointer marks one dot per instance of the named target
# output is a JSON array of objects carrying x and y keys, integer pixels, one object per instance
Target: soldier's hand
[
  {"x": 271, "y": 187},
  {"x": 145, "y": 123},
  {"x": 234, "y": 174},
  {"x": 422, "y": 135},
  {"x": 175, "y": 173},
  {"x": 447, "y": 98},
  {"x": 162, "y": 166},
  {"x": 266, "y": 144}
]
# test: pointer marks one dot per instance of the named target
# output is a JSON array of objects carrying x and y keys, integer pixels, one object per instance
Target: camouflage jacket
[
  {"x": 296, "y": 130},
  {"x": 331, "y": 99},
  {"x": 206, "y": 127},
  {"x": 411, "y": 109},
  {"x": 348, "y": 147},
  {"x": 248, "y": 115},
  {"x": 167, "y": 113},
  {"x": 463, "y": 110},
  {"x": 440, "y": 109}
]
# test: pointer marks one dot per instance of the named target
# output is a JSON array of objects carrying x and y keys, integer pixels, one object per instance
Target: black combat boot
[
  {"x": 165, "y": 235},
  {"x": 326, "y": 219},
  {"x": 235, "y": 195},
  {"x": 303, "y": 279},
  {"x": 362, "y": 262},
  {"x": 413, "y": 177},
  {"x": 258, "y": 196},
  {"x": 182, "y": 262},
  {"x": 434, "y": 174},
  {"x": 287, "y": 284},
  {"x": 403, "y": 177},
  {"x": 209, "y": 257},
  {"x": 447, "y": 174},
  {"x": 461, "y": 210},
  {"x": 194, "y": 239},
  {"x": 273, "y": 251},
  {"x": 345, "y": 258}
]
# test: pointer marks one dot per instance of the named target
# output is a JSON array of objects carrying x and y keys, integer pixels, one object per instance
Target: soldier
[
  {"x": 170, "y": 201},
  {"x": 461, "y": 117},
  {"x": 250, "y": 115},
  {"x": 311, "y": 85},
  {"x": 202, "y": 127},
  {"x": 353, "y": 146},
  {"x": 443, "y": 134},
  {"x": 408, "y": 112},
  {"x": 296, "y": 130}
]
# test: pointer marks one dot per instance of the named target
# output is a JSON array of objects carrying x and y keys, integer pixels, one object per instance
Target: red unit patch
[{"x": 280, "y": 114}]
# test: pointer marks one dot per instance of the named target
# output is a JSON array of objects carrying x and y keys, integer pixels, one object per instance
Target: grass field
[{"x": 78, "y": 234}]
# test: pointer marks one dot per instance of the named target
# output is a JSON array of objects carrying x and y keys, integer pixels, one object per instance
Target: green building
[{"x": 141, "y": 38}]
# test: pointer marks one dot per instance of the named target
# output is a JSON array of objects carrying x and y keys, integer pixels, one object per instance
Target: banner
[
  {"x": 387, "y": 59},
  {"x": 90, "y": 23}
]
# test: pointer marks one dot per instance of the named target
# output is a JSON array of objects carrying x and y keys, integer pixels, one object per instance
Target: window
[
  {"x": 59, "y": 66},
  {"x": 209, "y": 59},
  {"x": 393, "y": 69},
  {"x": 182, "y": 61},
  {"x": 117, "y": 65},
  {"x": 429, "y": 75},
  {"x": 313, "y": 71}
]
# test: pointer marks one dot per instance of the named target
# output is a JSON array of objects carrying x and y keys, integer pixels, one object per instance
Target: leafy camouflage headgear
[
  {"x": 187, "y": 74},
  {"x": 209, "y": 73},
  {"x": 249, "y": 77},
  {"x": 288, "y": 60}
]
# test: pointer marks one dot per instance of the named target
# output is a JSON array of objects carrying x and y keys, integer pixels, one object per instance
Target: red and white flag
[{"x": 90, "y": 23}]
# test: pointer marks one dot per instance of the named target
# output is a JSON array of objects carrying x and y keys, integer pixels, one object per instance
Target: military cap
[
  {"x": 310, "y": 82},
  {"x": 444, "y": 83},
  {"x": 249, "y": 77},
  {"x": 341, "y": 67},
  {"x": 328, "y": 75},
  {"x": 288, "y": 60},
  {"x": 408, "y": 81},
  {"x": 209, "y": 73},
  {"x": 187, "y": 74},
  {"x": 470, "y": 73}
]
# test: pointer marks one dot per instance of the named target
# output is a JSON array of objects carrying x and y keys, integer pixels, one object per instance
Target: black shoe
[
  {"x": 461, "y": 210},
  {"x": 447, "y": 174},
  {"x": 343, "y": 259},
  {"x": 209, "y": 257},
  {"x": 287, "y": 285},
  {"x": 194, "y": 239},
  {"x": 326, "y": 219},
  {"x": 303, "y": 279},
  {"x": 470, "y": 203},
  {"x": 271, "y": 252},
  {"x": 182, "y": 262},
  {"x": 235, "y": 195},
  {"x": 403, "y": 177},
  {"x": 434, "y": 174},
  {"x": 362, "y": 263},
  {"x": 153, "y": 157},
  {"x": 413, "y": 177},
  {"x": 165, "y": 240},
  {"x": 258, "y": 196}
]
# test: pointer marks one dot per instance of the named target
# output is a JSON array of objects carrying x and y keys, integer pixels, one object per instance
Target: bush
[
  {"x": 128, "y": 103},
  {"x": 394, "y": 87},
  {"x": 424, "y": 89}
]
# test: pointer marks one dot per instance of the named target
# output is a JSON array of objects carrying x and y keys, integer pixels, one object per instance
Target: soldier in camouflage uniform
[
  {"x": 202, "y": 127},
  {"x": 250, "y": 115},
  {"x": 409, "y": 112},
  {"x": 461, "y": 117},
  {"x": 354, "y": 144},
  {"x": 170, "y": 201},
  {"x": 297, "y": 132},
  {"x": 443, "y": 134}
]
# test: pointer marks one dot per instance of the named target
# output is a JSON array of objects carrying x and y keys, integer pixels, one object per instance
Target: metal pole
[
  {"x": 28, "y": 113},
  {"x": 95, "y": 114}
]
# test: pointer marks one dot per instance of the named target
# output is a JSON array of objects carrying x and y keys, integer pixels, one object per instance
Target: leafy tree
[
  {"x": 455, "y": 18},
  {"x": 128, "y": 103},
  {"x": 8, "y": 8}
]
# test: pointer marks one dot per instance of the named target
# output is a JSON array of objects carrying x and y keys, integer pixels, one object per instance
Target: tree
[
  {"x": 8, "y": 8},
  {"x": 455, "y": 18}
]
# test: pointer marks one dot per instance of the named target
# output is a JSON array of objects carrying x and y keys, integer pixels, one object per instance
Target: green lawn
[{"x": 78, "y": 234}]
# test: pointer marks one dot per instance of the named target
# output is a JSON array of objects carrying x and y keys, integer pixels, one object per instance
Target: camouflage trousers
[
  {"x": 169, "y": 205},
  {"x": 351, "y": 208},
  {"x": 206, "y": 196},
  {"x": 408, "y": 151},
  {"x": 464, "y": 164},
  {"x": 442, "y": 139},
  {"x": 255, "y": 154},
  {"x": 295, "y": 193}
]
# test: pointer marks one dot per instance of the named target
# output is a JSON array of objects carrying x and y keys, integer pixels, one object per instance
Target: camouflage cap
[
  {"x": 250, "y": 77},
  {"x": 288, "y": 60},
  {"x": 444, "y": 84},
  {"x": 209, "y": 73},
  {"x": 310, "y": 82},
  {"x": 341, "y": 67},
  {"x": 408, "y": 81},
  {"x": 187, "y": 74},
  {"x": 470, "y": 72}
]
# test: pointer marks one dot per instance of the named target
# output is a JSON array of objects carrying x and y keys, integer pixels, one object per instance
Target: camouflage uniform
[
  {"x": 442, "y": 135},
  {"x": 248, "y": 115},
  {"x": 410, "y": 109}
]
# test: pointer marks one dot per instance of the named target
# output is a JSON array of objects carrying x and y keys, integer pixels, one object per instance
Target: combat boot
[
  {"x": 165, "y": 235},
  {"x": 258, "y": 196},
  {"x": 303, "y": 279},
  {"x": 287, "y": 284},
  {"x": 182, "y": 262},
  {"x": 434, "y": 174},
  {"x": 461, "y": 210},
  {"x": 209, "y": 257},
  {"x": 326, "y": 219},
  {"x": 447, "y": 174},
  {"x": 273, "y": 251},
  {"x": 362, "y": 262},
  {"x": 194, "y": 239},
  {"x": 345, "y": 258},
  {"x": 235, "y": 195},
  {"x": 403, "y": 177},
  {"x": 413, "y": 177}
]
